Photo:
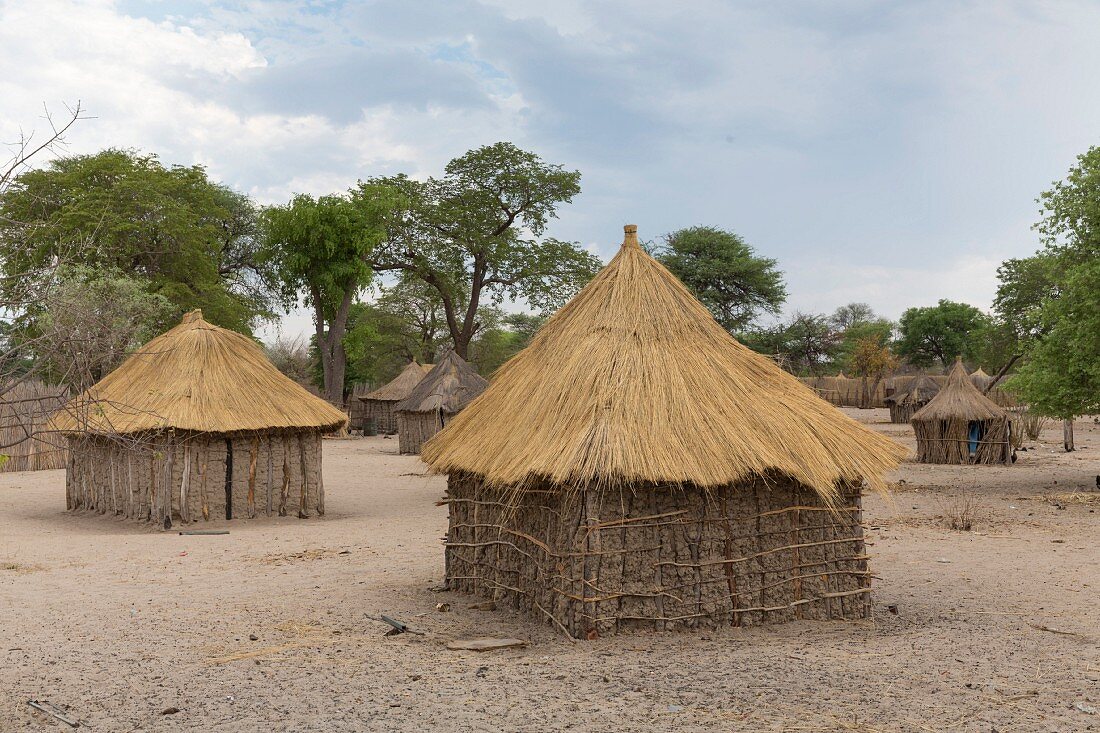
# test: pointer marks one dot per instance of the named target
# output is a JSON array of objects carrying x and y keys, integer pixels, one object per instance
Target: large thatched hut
[
  {"x": 904, "y": 404},
  {"x": 961, "y": 425},
  {"x": 445, "y": 390},
  {"x": 636, "y": 467},
  {"x": 197, "y": 424},
  {"x": 379, "y": 414}
]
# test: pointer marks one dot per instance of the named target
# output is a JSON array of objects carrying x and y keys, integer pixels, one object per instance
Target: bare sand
[{"x": 993, "y": 629}]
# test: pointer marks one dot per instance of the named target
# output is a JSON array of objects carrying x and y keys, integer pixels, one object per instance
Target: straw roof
[
  {"x": 634, "y": 381},
  {"x": 449, "y": 386},
  {"x": 401, "y": 385},
  {"x": 921, "y": 389},
  {"x": 959, "y": 398},
  {"x": 981, "y": 380},
  {"x": 197, "y": 377}
]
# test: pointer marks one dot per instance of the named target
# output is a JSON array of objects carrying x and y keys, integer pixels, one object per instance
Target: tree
[
  {"x": 290, "y": 355},
  {"x": 475, "y": 235},
  {"x": 806, "y": 342},
  {"x": 940, "y": 333},
  {"x": 189, "y": 239},
  {"x": 91, "y": 321},
  {"x": 879, "y": 331},
  {"x": 504, "y": 336},
  {"x": 850, "y": 315},
  {"x": 871, "y": 359},
  {"x": 724, "y": 273},
  {"x": 1061, "y": 375},
  {"x": 320, "y": 247}
]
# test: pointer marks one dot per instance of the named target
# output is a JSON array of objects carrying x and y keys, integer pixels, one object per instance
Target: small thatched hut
[
  {"x": 980, "y": 380},
  {"x": 904, "y": 404},
  {"x": 196, "y": 424},
  {"x": 445, "y": 390},
  {"x": 636, "y": 467},
  {"x": 380, "y": 416},
  {"x": 961, "y": 425}
]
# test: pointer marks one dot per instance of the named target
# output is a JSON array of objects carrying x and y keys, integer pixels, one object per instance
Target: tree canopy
[
  {"x": 724, "y": 272},
  {"x": 172, "y": 229},
  {"x": 476, "y": 235},
  {"x": 940, "y": 333}
]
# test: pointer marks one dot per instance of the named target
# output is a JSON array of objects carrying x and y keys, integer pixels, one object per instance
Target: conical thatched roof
[
  {"x": 197, "y": 377},
  {"x": 959, "y": 398},
  {"x": 922, "y": 389},
  {"x": 980, "y": 379},
  {"x": 634, "y": 381},
  {"x": 449, "y": 386},
  {"x": 401, "y": 385}
]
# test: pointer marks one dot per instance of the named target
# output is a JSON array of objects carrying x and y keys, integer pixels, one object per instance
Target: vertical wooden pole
[
  {"x": 589, "y": 562},
  {"x": 320, "y": 476},
  {"x": 228, "y": 478},
  {"x": 284, "y": 495},
  {"x": 1067, "y": 435},
  {"x": 269, "y": 474},
  {"x": 302, "y": 513},
  {"x": 166, "y": 490},
  {"x": 253, "y": 452},
  {"x": 203, "y": 496},
  {"x": 185, "y": 484},
  {"x": 130, "y": 510}
]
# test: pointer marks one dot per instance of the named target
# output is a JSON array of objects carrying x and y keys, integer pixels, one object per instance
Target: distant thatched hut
[
  {"x": 445, "y": 390},
  {"x": 636, "y": 467},
  {"x": 961, "y": 425},
  {"x": 904, "y": 404},
  {"x": 379, "y": 414},
  {"x": 196, "y": 424},
  {"x": 981, "y": 380}
]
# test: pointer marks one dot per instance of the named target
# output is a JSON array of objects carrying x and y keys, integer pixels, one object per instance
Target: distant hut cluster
[
  {"x": 904, "y": 404},
  {"x": 637, "y": 468},
  {"x": 378, "y": 415},
  {"x": 961, "y": 425},
  {"x": 441, "y": 394},
  {"x": 197, "y": 424}
]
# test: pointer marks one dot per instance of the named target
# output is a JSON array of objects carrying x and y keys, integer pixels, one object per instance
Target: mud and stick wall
[
  {"x": 599, "y": 562},
  {"x": 184, "y": 477}
]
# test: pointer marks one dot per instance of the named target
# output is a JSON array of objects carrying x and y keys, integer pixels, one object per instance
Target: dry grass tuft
[
  {"x": 1087, "y": 498},
  {"x": 633, "y": 381},
  {"x": 196, "y": 377},
  {"x": 963, "y": 514}
]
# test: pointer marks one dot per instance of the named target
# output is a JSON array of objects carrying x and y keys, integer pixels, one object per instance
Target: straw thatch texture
[
  {"x": 446, "y": 389},
  {"x": 601, "y": 562},
  {"x": 197, "y": 377},
  {"x": 960, "y": 425},
  {"x": 196, "y": 425},
  {"x": 904, "y": 404},
  {"x": 634, "y": 381},
  {"x": 379, "y": 412},
  {"x": 636, "y": 467},
  {"x": 25, "y": 442}
]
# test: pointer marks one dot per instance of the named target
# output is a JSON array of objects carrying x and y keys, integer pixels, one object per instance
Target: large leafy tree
[
  {"x": 189, "y": 239},
  {"x": 319, "y": 247},
  {"x": 1061, "y": 375},
  {"x": 475, "y": 235},
  {"x": 939, "y": 333},
  {"x": 805, "y": 344},
  {"x": 725, "y": 273}
]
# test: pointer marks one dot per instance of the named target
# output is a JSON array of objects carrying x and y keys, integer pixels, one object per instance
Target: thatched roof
[
  {"x": 197, "y": 377},
  {"x": 634, "y": 381},
  {"x": 959, "y": 398},
  {"x": 921, "y": 389},
  {"x": 449, "y": 386},
  {"x": 980, "y": 379},
  {"x": 401, "y": 385}
]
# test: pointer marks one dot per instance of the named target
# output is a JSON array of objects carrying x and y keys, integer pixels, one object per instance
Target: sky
[{"x": 884, "y": 152}]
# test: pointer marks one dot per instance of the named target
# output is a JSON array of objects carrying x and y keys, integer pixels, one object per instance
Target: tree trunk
[
  {"x": 330, "y": 342},
  {"x": 1067, "y": 435}
]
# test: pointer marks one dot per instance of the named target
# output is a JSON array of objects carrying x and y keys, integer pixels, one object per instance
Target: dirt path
[{"x": 997, "y": 628}]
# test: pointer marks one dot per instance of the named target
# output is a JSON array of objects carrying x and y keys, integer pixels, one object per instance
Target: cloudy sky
[{"x": 882, "y": 152}]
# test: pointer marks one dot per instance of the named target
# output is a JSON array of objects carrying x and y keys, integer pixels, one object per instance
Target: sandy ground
[{"x": 995, "y": 629}]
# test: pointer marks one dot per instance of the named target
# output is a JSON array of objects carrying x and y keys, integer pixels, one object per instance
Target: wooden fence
[{"x": 24, "y": 409}]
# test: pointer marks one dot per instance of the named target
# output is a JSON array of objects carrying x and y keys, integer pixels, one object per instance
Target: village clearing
[{"x": 986, "y": 618}]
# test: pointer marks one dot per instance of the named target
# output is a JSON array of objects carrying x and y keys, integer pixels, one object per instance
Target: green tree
[
  {"x": 504, "y": 336},
  {"x": 940, "y": 333},
  {"x": 805, "y": 344},
  {"x": 852, "y": 314},
  {"x": 880, "y": 331},
  {"x": 724, "y": 273},
  {"x": 189, "y": 239},
  {"x": 319, "y": 247},
  {"x": 476, "y": 235},
  {"x": 1061, "y": 374}
]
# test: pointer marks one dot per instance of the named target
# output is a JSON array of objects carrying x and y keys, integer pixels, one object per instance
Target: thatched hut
[
  {"x": 196, "y": 424},
  {"x": 379, "y": 414},
  {"x": 636, "y": 467},
  {"x": 445, "y": 390},
  {"x": 904, "y": 404},
  {"x": 961, "y": 425},
  {"x": 981, "y": 380}
]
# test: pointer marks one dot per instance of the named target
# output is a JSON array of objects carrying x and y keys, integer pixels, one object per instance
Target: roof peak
[
  {"x": 192, "y": 316},
  {"x": 630, "y": 236}
]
